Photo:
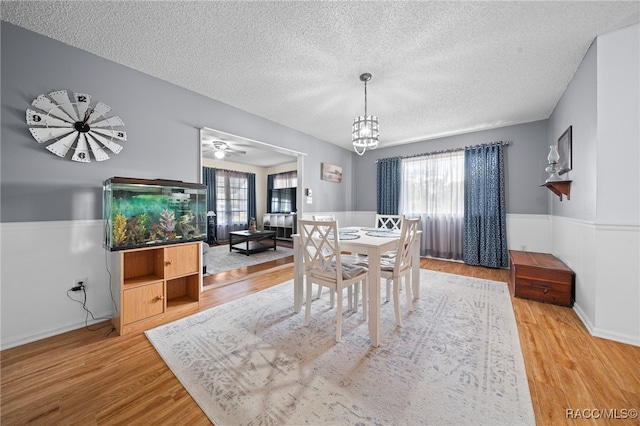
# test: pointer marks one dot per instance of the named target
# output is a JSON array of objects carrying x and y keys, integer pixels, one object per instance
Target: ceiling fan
[{"x": 219, "y": 148}]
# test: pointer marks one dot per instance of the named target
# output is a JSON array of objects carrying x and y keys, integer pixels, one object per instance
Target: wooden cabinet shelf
[
  {"x": 559, "y": 188},
  {"x": 149, "y": 282}
]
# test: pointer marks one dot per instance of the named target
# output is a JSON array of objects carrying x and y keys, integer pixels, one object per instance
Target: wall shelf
[{"x": 559, "y": 188}]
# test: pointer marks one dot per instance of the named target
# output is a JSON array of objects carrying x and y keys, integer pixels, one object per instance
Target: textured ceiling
[{"x": 439, "y": 68}]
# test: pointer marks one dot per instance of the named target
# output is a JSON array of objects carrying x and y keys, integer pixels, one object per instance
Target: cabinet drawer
[
  {"x": 142, "y": 302},
  {"x": 181, "y": 260},
  {"x": 544, "y": 291}
]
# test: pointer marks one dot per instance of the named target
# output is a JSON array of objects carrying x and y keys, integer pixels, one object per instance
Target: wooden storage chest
[{"x": 541, "y": 277}]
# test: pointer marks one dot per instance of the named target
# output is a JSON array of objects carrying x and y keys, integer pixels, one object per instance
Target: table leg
[
  {"x": 230, "y": 242},
  {"x": 374, "y": 297}
]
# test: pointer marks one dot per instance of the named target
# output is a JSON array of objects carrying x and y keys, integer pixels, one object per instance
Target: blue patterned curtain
[
  {"x": 485, "y": 227},
  {"x": 389, "y": 182},
  {"x": 251, "y": 196}
]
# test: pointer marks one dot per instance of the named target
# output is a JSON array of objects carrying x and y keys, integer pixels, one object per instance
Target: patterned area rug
[
  {"x": 219, "y": 259},
  {"x": 456, "y": 360}
]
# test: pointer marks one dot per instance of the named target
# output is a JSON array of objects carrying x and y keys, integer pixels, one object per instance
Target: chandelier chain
[{"x": 365, "y": 98}]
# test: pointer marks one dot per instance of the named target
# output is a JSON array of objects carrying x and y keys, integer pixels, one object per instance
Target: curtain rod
[{"x": 444, "y": 151}]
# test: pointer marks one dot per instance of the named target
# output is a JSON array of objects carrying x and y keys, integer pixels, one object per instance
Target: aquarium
[{"x": 142, "y": 213}]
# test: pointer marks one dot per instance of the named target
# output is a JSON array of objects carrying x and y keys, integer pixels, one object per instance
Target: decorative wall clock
[{"x": 75, "y": 125}]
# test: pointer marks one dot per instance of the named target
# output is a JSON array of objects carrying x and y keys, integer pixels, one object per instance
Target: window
[
  {"x": 433, "y": 185},
  {"x": 433, "y": 190},
  {"x": 285, "y": 180},
  {"x": 232, "y": 197}
]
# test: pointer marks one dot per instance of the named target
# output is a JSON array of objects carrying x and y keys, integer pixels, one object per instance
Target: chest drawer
[{"x": 544, "y": 291}]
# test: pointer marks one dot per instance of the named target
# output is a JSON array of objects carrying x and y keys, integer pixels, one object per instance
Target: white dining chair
[
  {"x": 389, "y": 221},
  {"x": 394, "y": 268},
  {"x": 324, "y": 266},
  {"x": 324, "y": 218},
  {"x": 327, "y": 218}
]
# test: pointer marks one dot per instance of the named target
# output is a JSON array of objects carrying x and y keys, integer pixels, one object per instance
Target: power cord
[{"x": 83, "y": 302}]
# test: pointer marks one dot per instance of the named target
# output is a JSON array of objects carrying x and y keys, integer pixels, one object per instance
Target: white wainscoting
[
  {"x": 40, "y": 261},
  {"x": 605, "y": 259},
  {"x": 529, "y": 232},
  {"x": 347, "y": 218}
]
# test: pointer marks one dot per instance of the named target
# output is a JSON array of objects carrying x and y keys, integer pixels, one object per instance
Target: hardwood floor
[{"x": 87, "y": 377}]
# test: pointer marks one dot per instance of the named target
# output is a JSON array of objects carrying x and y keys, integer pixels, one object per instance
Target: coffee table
[{"x": 252, "y": 242}]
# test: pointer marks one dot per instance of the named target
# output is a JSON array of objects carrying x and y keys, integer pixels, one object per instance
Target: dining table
[{"x": 372, "y": 242}]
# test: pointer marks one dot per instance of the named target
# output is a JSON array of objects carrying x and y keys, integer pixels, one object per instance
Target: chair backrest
[
  {"x": 324, "y": 218},
  {"x": 408, "y": 235},
  {"x": 389, "y": 221},
  {"x": 321, "y": 250}
]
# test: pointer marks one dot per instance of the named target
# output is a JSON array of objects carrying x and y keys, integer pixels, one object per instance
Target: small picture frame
[
  {"x": 564, "y": 149},
  {"x": 331, "y": 173}
]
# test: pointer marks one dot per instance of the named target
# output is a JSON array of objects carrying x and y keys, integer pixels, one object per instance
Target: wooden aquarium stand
[{"x": 151, "y": 282}]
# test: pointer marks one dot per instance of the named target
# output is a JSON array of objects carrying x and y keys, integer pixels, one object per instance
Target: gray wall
[
  {"x": 578, "y": 108},
  {"x": 161, "y": 121},
  {"x": 526, "y": 159}
]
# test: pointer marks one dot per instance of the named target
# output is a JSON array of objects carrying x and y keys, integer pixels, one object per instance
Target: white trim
[
  {"x": 604, "y": 334},
  {"x": 11, "y": 343},
  {"x": 52, "y": 224}
]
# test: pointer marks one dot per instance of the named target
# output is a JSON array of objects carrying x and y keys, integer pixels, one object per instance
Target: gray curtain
[
  {"x": 251, "y": 196},
  {"x": 209, "y": 179},
  {"x": 389, "y": 182},
  {"x": 485, "y": 228}
]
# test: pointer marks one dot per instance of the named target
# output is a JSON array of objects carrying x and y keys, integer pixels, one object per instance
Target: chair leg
[
  {"x": 339, "y": 317},
  {"x": 365, "y": 299},
  {"x": 319, "y": 291},
  {"x": 388, "y": 290},
  {"x": 350, "y": 297},
  {"x": 396, "y": 300},
  {"x": 407, "y": 284},
  {"x": 307, "y": 308},
  {"x": 356, "y": 296}
]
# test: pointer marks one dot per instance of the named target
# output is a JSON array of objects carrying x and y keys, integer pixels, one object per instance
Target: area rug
[
  {"x": 456, "y": 360},
  {"x": 220, "y": 259}
]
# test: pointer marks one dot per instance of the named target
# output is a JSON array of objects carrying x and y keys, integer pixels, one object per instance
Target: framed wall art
[
  {"x": 331, "y": 173},
  {"x": 564, "y": 149}
]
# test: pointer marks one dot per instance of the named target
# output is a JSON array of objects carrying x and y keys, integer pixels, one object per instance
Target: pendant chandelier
[{"x": 364, "y": 133}]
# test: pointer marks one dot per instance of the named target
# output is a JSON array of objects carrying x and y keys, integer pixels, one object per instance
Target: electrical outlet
[
  {"x": 523, "y": 247},
  {"x": 79, "y": 284}
]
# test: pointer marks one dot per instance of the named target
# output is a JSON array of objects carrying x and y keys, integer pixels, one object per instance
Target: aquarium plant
[
  {"x": 168, "y": 223},
  {"x": 119, "y": 228}
]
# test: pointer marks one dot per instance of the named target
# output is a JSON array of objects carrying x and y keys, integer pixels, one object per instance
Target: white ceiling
[
  {"x": 439, "y": 68},
  {"x": 255, "y": 153}
]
